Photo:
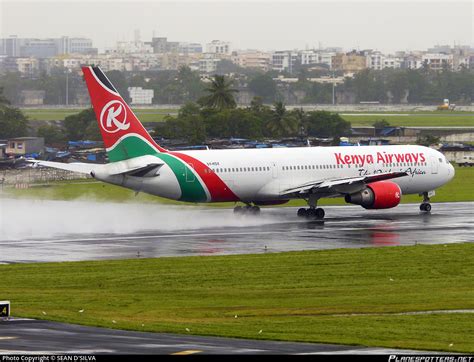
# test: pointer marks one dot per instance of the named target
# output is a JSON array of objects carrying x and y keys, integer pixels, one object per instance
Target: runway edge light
[{"x": 4, "y": 309}]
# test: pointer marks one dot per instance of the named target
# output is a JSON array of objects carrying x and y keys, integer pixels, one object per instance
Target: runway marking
[
  {"x": 6, "y": 338},
  {"x": 190, "y": 351},
  {"x": 160, "y": 236},
  {"x": 124, "y": 237}
]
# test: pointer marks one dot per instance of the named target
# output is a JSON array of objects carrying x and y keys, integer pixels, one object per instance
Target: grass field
[
  {"x": 432, "y": 119},
  {"x": 349, "y": 296},
  {"x": 145, "y": 115},
  {"x": 461, "y": 188}
]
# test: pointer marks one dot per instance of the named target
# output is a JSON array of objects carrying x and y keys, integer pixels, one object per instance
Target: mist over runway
[{"x": 47, "y": 231}]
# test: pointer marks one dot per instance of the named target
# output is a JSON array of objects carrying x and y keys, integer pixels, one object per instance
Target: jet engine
[{"x": 377, "y": 195}]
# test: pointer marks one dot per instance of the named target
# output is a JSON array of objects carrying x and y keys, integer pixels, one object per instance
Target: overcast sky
[{"x": 266, "y": 25}]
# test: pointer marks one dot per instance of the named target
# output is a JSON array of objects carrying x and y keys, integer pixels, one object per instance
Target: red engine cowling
[{"x": 377, "y": 195}]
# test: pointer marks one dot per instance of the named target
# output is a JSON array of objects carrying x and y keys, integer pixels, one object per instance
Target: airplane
[{"x": 374, "y": 177}]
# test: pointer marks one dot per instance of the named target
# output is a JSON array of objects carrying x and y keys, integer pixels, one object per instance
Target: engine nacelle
[{"x": 377, "y": 195}]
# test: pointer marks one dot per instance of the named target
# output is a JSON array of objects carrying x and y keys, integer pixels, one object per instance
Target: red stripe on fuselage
[{"x": 217, "y": 188}]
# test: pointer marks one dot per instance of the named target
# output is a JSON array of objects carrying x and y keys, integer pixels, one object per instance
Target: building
[
  {"x": 352, "y": 62},
  {"x": 45, "y": 48},
  {"x": 67, "y": 45},
  {"x": 208, "y": 63},
  {"x": 25, "y": 145},
  {"x": 190, "y": 48},
  {"x": 218, "y": 47},
  {"x": 309, "y": 57},
  {"x": 161, "y": 45},
  {"x": 27, "y": 66},
  {"x": 10, "y": 46},
  {"x": 325, "y": 57},
  {"x": 438, "y": 61},
  {"x": 138, "y": 95},
  {"x": 391, "y": 62},
  {"x": 375, "y": 60},
  {"x": 252, "y": 59},
  {"x": 284, "y": 61}
]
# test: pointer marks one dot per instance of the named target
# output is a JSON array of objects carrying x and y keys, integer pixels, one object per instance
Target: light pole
[
  {"x": 333, "y": 87},
  {"x": 67, "y": 86}
]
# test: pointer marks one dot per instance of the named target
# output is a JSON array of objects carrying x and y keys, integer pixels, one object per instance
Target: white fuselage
[{"x": 264, "y": 174}]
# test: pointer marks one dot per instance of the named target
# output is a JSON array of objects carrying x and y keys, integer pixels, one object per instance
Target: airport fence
[{"x": 22, "y": 178}]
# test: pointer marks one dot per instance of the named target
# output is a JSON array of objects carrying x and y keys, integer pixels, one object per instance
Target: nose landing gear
[{"x": 425, "y": 205}]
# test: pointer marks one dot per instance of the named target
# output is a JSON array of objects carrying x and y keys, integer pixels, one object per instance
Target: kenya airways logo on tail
[{"x": 113, "y": 117}]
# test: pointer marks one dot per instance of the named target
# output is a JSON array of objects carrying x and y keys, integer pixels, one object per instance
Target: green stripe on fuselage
[
  {"x": 130, "y": 147},
  {"x": 191, "y": 188}
]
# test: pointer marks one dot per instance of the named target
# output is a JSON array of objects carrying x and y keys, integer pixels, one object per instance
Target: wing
[{"x": 339, "y": 186}]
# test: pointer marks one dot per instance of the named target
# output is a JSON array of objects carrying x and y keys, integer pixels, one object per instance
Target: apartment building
[{"x": 252, "y": 59}]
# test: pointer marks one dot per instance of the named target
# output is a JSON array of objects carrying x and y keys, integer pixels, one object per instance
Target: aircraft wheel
[
  {"x": 425, "y": 207},
  {"x": 311, "y": 213},
  {"x": 238, "y": 210},
  {"x": 254, "y": 210},
  {"x": 319, "y": 213},
  {"x": 302, "y": 212}
]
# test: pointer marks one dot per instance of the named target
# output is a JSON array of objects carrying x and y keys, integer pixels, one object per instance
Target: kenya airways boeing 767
[{"x": 374, "y": 177}]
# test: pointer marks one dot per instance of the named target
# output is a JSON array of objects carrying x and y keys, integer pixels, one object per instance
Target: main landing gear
[
  {"x": 247, "y": 210},
  {"x": 425, "y": 205},
  {"x": 313, "y": 212}
]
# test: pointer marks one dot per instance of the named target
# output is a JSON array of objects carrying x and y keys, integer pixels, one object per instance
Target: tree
[
  {"x": 82, "y": 126},
  {"x": 13, "y": 123},
  {"x": 221, "y": 95},
  {"x": 189, "y": 125},
  {"x": 282, "y": 123},
  {"x": 263, "y": 86},
  {"x": 428, "y": 140},
  {"x": 326, "y": 124},
  {"x": 381, "y": 123},
  {"x": 51, "y": 134},
  {"x": 190, "y": 87}
]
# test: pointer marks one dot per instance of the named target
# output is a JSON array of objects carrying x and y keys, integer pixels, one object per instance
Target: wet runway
[
  {"x": 85, "y": 231},
  {"x": 41, "y": 337}
]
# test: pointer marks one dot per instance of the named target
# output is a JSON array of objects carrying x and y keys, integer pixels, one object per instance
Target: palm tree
[
  {"x": 220, "y": 94},
  {"x": 282, "y": 123}
]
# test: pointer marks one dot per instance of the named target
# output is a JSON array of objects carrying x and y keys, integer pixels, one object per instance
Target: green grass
[
  {"x": 461, "y": 188},
  {"x": 296, "y": 296},
  {"x": 413, "y": 120},
  {"x": 434, "y": 119},
  {"x": 52, "y": 114}
]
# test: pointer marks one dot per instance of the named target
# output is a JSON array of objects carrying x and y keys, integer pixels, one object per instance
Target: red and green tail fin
[{"x": 123, "y": 134}]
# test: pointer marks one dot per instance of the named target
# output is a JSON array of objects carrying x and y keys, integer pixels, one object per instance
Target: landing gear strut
[
  {"x": 247, "y": 210},
  {"x": 425, "y": 205},
  {"x": 313, "y": 212}
]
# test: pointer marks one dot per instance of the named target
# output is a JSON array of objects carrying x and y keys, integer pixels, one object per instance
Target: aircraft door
[
  {"x": 190, "y": 177},
  {"x": 434, "y": 165},
  {"x": 274, "y": 170}
]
